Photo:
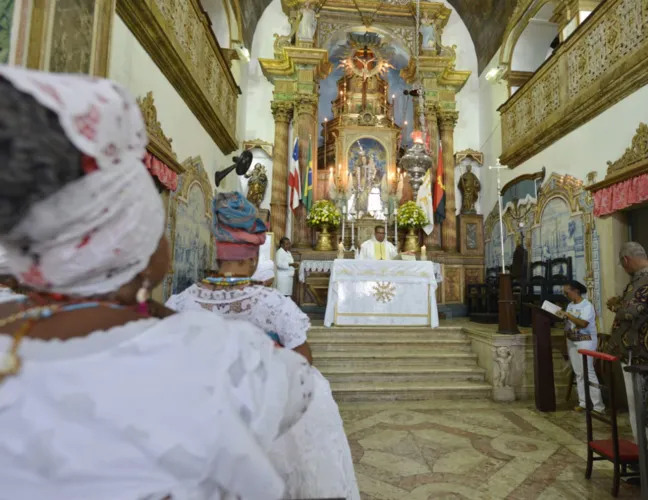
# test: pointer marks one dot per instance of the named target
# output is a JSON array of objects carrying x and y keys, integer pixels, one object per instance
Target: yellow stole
[{"x": 380, "y": 251}]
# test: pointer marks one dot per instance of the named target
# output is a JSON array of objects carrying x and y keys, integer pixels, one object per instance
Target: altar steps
[{"x": 396, "y": 363}]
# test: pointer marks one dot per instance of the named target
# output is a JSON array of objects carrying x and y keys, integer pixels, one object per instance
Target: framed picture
[{"x": 70, "y": 36}]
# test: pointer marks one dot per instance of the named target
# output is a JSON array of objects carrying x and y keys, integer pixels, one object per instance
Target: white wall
[
  {"x": 530, "y": 51},
  {"x": 131, "y": 66},
  {"x": 218, "y": 14}
]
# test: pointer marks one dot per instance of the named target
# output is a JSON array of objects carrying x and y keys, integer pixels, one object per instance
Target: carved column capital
[
  {"x": 448, "y": 120},
  {"x": 282, "y": 111},
  {"x": 431, "y": 109},
  {"x": 307, "y": 105}
]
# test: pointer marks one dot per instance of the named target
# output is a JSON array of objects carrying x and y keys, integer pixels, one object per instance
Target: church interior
[{"x": 442, "y": 169}]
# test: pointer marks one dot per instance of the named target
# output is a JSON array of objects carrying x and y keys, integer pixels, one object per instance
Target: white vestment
[
  {"x": 368, "y": 250},
  {"x": 285, "y": 272}
]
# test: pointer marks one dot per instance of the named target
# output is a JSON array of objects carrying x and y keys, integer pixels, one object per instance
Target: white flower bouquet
[{"x": 411, "y": 216}]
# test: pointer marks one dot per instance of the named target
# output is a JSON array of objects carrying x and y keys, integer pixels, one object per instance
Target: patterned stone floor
[{"x": 473, "y": 450}]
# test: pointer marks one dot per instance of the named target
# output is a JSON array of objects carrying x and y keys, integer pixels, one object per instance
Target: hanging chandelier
[{"x": 416, "y": 161}]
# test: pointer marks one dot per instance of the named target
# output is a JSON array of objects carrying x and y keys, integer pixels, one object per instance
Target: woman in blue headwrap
[{"x": 314, "y": 457}]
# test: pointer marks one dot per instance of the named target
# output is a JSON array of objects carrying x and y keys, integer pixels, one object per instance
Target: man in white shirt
[
  {"x": 377, "y": 248},
  {"x": 285, "y": 267}
]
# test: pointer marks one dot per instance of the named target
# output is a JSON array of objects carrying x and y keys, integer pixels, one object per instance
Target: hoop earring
[{"x": 142, "y": 298}]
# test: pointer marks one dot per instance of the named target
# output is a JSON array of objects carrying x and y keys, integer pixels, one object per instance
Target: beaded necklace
[
  {"x": 229, "y": 282},
  {"x": 10, "y": 362}
]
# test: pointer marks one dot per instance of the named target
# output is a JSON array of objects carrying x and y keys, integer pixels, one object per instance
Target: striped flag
[
  {"x": 307, "y": 196},
  {"x": 439, "y": 190},
  {"x": 294, "y": 180}
]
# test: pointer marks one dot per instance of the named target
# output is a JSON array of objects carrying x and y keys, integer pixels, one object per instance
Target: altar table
[{"x": 378, "y": 292}]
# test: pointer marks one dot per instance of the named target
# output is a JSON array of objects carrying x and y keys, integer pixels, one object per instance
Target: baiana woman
[
  {"x": 99, "y": 399},
  {"x": 314, "y": 456},
  {"x": 580, "y": 330}
]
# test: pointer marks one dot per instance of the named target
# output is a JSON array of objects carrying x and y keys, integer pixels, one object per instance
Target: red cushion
[{"x": 628, "y": 451}]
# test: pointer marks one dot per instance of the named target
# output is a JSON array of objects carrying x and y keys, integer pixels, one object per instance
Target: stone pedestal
[
  {"x": 471, "y": 234},
  {"x": 503, "y": 394}
]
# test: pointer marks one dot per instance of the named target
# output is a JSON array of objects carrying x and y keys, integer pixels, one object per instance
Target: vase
[
  {"x": 412, "y": 240},
  {"x": 324, "y": 240}
]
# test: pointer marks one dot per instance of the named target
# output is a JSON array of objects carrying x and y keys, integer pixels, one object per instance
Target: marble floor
[{"x": 473, "y": 450}]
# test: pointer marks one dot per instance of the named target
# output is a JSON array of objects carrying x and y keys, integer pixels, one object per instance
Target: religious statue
[
  {"x": 257, "y": 185},
  {"x": 428, "y": 33},
  {"x": 365, "y": 179},
  {"x": 501, "y": 377},
  {"x": 307, "y": 23},
  {"x": 469, "y": 186}
]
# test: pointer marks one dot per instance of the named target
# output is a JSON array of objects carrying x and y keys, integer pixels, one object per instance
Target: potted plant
[
  {"x": 412, "y": 218},
  {"x": 324, "y": 216}
]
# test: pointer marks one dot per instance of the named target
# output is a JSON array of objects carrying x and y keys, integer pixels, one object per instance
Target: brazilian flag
[{"x": 307, "y": 195}]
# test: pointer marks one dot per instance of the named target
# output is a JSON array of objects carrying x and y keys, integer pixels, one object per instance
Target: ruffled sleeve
[{"x": 279, "y": 314}]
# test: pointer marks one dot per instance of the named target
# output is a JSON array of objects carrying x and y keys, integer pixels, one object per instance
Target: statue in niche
[
  {"x": 366, "y": 178},
  {"x": 469, "y": 187},
  {"x": 502, "y": 376},
  {"x": 428, "y": 33},
  {"x": 257, "y": 185},
  {"x": 307, "y": 23}
]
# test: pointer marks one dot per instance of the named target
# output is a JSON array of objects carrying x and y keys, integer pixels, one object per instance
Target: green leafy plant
[
  {"x": 324, "y": 213},
  {"x": 411, "y": 216}
]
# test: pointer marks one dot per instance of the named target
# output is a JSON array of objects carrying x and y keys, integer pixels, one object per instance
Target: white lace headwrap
[{"x": 98, "y": 232}]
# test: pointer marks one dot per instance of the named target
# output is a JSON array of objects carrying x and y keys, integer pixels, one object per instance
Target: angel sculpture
[
  {"x": 380, "y": 68},
  {"x": 257, "y": 184}
]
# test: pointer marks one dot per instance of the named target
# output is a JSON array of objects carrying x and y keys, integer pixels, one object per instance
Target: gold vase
[
  {"x": 412, "y": 240},
  {"x": 324, "y": 240}
]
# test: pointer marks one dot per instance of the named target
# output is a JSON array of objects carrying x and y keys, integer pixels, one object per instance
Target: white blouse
[
  {"x": 264, "y": 307},
  {"x": 186, "y": 406}
]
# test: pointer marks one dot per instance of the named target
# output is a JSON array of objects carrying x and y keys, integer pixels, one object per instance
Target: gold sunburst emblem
[{"x": 384, "y": 292}]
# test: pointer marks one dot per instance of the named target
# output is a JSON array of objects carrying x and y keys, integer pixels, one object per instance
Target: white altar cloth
[{"x": 378, "y": 292}]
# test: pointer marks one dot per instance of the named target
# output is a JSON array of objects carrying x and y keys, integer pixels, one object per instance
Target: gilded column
[
  {"x": 282, "y": 112},
  {"x": 447, "y": 122},
  {"x": 306, "y": 128}
]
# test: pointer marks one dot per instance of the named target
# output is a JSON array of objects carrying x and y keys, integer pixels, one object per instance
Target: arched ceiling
[{"x": 485, "y": 19}]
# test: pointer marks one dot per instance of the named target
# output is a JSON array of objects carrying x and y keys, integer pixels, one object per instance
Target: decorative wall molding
[
  {"x": 159, "y": 144},
  {"x": 632, "y": 163},
  {"x": 602, "y": 62},
  {"x": 261, "y": 144},
  {"x": 179, "y": 38},
  {"x": 469, "y": 153}
]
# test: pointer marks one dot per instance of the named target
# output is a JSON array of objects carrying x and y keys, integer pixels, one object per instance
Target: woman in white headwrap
[
  {"x": 314, "y": 456},
  {"x": 98, "y": 400}
]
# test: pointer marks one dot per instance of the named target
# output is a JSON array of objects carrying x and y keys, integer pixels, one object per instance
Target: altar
[{"x": 385, "y": 293}]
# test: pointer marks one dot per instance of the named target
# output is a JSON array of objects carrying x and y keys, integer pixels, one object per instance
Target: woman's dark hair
[
  {"x": 36, "y": 157},
  {"x": 283, "y": 240},
  {"x": 578, "y": 286}
]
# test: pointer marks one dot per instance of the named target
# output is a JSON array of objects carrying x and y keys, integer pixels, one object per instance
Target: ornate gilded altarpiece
[
  {"x": 560, "y": 224},
  {"x": 189, "y": 228}
]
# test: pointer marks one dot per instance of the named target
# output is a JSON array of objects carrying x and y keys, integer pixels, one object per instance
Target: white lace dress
[
  {"x": 314, "y": 456},
  {"x": 185, "y": 407}
]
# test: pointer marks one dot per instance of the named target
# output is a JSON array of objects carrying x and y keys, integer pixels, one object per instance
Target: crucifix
[
  {"x": 499, "y": 167},
  {"x": 506, "y": 308}
]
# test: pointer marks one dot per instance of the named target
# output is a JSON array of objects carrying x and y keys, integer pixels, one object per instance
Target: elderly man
[
  {"x": 377, "y": 248},
  {"x": 630, "y": 328}
]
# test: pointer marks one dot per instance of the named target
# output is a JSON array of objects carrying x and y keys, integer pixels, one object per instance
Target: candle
[
  {"x": 352, "y": 233},
  {"x": 343, "y": 221},
  {"x": 386, "y": 230},
  {"x": 396, "y": 228},
  {"x": 423, "y": 253}
]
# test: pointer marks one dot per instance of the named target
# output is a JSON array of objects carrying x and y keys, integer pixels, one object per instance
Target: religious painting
[
  {"x": 189, "y": 228},
  {"x": 6, "y": 19},
  {"x": 367, "y": 162}
]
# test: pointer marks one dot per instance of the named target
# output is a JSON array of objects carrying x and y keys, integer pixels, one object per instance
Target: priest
[{"x": 377, "y": 248}]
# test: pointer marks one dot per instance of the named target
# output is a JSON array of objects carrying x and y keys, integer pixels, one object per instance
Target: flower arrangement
[
  {"x": 324, "y": 213},
  {"x": 411, "y": 216}
]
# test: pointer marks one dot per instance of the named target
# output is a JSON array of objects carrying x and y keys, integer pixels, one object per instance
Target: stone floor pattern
[{"x": 473, "y": 450}]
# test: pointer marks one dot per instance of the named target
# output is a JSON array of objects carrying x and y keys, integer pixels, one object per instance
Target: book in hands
[{"x": 552, "y": 308}]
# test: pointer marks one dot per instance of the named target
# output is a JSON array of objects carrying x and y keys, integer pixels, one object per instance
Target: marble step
[
  {"x": 390, "y": 333},
  {"x": 394, "y": 346},
  {"x": 405, "y": 374},
  {"x": 385, "y": 359},
  {"x": 409, "y": 391}
]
